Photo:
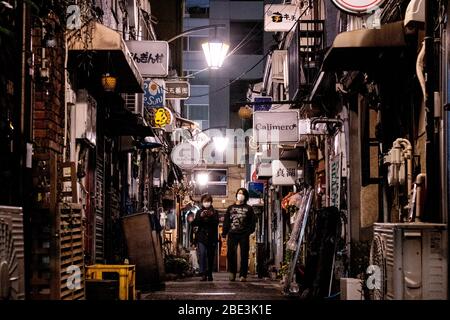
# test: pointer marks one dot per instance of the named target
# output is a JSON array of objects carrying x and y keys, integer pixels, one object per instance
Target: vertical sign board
[
  {"x": 284, "y": 173},
  {"x": 335, "y": 181},
  {"x": 281, "y": 17},
  {"x": 151, "y": 57}
]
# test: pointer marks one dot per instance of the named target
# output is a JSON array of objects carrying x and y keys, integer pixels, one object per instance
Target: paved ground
[{"x": 219, "y": 289}]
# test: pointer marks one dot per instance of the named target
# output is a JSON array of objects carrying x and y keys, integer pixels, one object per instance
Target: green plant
[{"x": 176, "y": 264}]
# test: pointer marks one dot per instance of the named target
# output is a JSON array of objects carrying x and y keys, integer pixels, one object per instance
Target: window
[
  {"x": 196, "y": 77},
  {"x": 194, "y": 43},
  {"x": 252, "y": 32},
  {"x": 198, "y": 113},
  {"x": 217, "y": 182},
  {"x": 197, "y": 8}
]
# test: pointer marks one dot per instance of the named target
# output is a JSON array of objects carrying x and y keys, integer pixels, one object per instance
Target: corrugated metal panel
[{"x": 12, "y": 253}]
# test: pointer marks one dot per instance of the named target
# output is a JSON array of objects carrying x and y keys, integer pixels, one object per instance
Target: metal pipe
[
  {"x": 315, "y": 121},
  {"x": 420, "y": 183},
  {"x": 213, "y": 26}
]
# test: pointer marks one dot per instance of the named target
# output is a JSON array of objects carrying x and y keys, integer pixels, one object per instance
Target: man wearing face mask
[
  {"x": 206, "y": 238},
  {"x": 239, "y": 224}
]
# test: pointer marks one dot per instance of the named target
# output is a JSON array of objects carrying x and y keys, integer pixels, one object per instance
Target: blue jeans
[{"x": 206, "y": 254}]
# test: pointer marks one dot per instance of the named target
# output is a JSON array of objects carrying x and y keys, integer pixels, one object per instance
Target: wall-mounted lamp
[{"x": 109, "y": 82}]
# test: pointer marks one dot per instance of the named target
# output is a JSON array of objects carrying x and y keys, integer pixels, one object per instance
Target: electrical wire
[
  {"x": 257, "y": 63},
  {"x": 241, "y": 44}
]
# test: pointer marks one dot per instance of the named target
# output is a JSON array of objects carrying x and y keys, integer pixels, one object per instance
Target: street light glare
[
  {"x": 215, "y": 53},
  {"x": 220, "y": 143},
  {"x": 202, "y": 179}
]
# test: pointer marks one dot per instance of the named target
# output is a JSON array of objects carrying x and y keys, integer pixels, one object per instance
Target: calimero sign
[{"x": 358, "y": 6}]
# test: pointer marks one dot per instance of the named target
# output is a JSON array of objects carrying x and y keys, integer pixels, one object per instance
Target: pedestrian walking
[
  {"x": 239, "y": 224},
  {"x": 206, "y": 237}
]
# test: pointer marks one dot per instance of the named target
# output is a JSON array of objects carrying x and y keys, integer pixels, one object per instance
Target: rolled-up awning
[
  {"x": 107, "y": 52},
  {"x": 360, "y": 49}
]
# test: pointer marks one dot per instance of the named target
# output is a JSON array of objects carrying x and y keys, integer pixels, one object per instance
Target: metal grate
[{"x": 99, "y": 208}]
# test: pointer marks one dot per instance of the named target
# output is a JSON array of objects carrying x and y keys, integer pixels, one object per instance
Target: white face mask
[
  {"x": 207, "y": 204},
  {"x": 240, "y": 197}
]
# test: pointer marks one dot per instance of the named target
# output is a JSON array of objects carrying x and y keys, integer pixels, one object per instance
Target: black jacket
[
  {"x": 206, "y": 222},
  {"x": 239, "y": 219}
]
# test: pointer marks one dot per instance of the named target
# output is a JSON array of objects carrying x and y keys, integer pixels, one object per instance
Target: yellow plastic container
[{"x": 127, "y": 277}]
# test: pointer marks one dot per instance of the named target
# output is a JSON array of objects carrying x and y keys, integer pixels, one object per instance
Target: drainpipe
[
  {"x": 26, "y": 134},
  {"x": 432, "y": 161}
]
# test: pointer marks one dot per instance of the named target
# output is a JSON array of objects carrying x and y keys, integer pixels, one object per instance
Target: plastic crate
[{"x": 126, "y": 274}]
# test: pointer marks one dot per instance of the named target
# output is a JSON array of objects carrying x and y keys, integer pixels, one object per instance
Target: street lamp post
[{"x": 215, "y": 50}]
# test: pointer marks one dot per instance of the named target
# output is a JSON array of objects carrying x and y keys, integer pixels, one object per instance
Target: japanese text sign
[
  {"x": 151, "y": 57},
  {"x": 284, "y": 173},
  {"x": 280, "y": 17},
  {"x": 177, "y": 90}
]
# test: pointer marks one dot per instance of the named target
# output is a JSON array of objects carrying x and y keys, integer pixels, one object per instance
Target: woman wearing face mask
[
  {"x": 239, "y": 224},
  {"x": 207, "y": 221}
]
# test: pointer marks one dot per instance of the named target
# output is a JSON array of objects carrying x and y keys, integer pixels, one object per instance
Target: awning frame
[{"x": 96, "y": 37}]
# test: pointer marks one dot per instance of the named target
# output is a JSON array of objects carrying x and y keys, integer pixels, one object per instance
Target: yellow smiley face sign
[{"x": 162, "y": 117}]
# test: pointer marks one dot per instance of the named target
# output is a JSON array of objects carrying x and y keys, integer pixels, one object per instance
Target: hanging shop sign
[
  {"x": 280, "y": 17},
  {"x": 151, "y": 57},
  {"x": 160, "y": 117},
  {"x": 358, "y": 6},
  {"x": 154, "y": 93},
  {"x": 284, "y": 173},
  {"x": 178, "y": 90},
  {"x": 261, "y": 103},
  {"x": 276, "y": 127},
  {"x": 335, "y": 181}
]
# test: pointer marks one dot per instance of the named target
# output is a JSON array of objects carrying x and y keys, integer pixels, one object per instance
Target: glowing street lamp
[{"x": 215, "y": 52}]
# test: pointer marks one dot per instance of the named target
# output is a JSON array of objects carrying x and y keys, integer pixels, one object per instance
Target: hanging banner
[
  {"x": 358, "y": 6},
  {"x": 284, "y": 173},
  {"x": 151, "y": 57},
  {"x": 280, "y": 17},
  {"x": 154, "y": 93}
]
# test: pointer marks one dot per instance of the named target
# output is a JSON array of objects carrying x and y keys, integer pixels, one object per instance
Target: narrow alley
[
  {"x": 219, "y": 289},
  {"x": 224, "y": 150}
]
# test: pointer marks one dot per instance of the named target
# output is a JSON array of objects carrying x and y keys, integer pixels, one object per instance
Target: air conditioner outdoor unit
[
  {"x": 86, "y": 117},
  {"x": 412, "y": 260},
  {"x": 134, "y": 103}
]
